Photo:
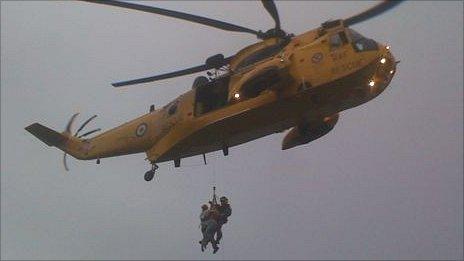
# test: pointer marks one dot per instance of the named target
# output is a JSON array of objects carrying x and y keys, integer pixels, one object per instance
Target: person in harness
[
  {"x": 209, "y": 224},
  {"x": 203, "y": 219},
  {"x": 224, "y": 213},
  {"x": 212, "y": 220}
]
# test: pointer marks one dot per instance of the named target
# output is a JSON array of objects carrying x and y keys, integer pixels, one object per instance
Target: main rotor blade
[
  {"x": 187, "y": 71},
  {"x": 189, "y": 17},
  {"x": 162, "y": 76},
  {"x": 272, "y": 10},
  {"x": 371, "y": 12}
]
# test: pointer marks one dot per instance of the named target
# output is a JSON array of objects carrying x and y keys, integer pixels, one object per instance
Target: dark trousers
[
  {"x": 211, "y": 228},
  {"x": 219, "y": 231}
]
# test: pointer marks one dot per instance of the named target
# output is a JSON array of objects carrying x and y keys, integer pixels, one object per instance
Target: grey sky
[{"x": 386, "y": 183}]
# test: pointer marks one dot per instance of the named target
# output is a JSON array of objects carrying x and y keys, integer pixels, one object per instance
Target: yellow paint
[{"x": 307, "y": 63}]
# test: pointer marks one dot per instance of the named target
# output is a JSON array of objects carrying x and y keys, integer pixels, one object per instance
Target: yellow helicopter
[{"x": 284, "y": 81}]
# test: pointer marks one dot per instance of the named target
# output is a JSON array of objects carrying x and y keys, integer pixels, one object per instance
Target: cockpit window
[
  {"x": 172, "y": 109},
  {"x": 338, "y": 40},
  {"x": 355, "y": 36},
  {"x": 361, "y": 43}
]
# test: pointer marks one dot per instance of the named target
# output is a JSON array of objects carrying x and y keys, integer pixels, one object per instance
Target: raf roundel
[
  {"x": 141, "y": 129},
  {"x": 317, "y": 57}
]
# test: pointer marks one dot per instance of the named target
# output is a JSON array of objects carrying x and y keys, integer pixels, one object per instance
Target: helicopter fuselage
[
  {"x": 317, "y": 80},
  {"x": 311, "y": 79}
]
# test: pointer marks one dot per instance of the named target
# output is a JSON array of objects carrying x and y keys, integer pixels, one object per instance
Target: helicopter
[{"x": 284, "y": 81}]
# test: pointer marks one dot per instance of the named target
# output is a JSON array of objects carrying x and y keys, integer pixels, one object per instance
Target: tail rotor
[
  {"x": 68, "y": 131},
  {"x": 88, "y": 133}
]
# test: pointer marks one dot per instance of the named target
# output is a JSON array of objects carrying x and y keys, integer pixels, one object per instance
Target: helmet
[{"x": 223, "y": 199}]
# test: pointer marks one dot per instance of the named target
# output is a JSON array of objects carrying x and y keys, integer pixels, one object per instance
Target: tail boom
[{"x": 122, "y": 140}]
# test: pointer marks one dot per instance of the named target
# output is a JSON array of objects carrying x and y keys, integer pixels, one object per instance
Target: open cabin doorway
[{"x": 211, "y": 95}]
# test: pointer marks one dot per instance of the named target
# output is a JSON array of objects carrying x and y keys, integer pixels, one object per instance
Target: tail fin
[
  {"x": 49, "y": 136},
  {"x": 63, "y": 141}
]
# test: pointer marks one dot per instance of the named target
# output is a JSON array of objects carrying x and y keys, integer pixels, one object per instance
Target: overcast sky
[{"x": 386, "y": 183}]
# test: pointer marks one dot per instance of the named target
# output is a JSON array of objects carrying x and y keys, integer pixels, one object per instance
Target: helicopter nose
[
  {"x": 386, "y": 68},
  {"x": 388, "y": 57},
  {"x": 387, "y": 64}
]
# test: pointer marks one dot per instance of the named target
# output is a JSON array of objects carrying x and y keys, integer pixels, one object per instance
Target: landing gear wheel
[{"x": 149, "y": 175}]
